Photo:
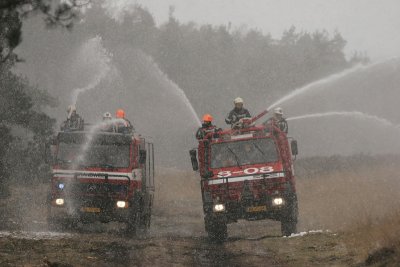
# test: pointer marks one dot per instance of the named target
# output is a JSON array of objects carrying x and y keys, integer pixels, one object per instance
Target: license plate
[
  {"x": 90, "y": 209},
  {"x": 257, "y": 209}
]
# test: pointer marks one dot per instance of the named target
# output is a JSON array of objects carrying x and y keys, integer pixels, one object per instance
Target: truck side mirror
[
  {"x": 293, "y": 146},
  {"x": 142, "y": 156},
  {"x": 193, "y": 158}
]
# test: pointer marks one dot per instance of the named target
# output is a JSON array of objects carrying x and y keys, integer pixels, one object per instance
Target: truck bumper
[
  {"x": 88, "y": 213},
  {"x": 248, "y": 210}
]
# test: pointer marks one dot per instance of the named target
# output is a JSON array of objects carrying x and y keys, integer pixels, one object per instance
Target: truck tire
[
  {"x": 136, "y": 217},
  {"x": 146, "y": 219},
  {"x": 143, "y": 225},
  {"x": 131, "y": 224},
  {"x": 53, "y": 225},
  {"x": 217, "y": 230},
  {"x": 57, "y": 225},
  {"x": 133, "y": 221},
  {"x": 289, "y": 218}
]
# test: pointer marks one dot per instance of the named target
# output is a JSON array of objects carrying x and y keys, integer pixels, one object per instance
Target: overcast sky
[{"x": 372, "y": 26}]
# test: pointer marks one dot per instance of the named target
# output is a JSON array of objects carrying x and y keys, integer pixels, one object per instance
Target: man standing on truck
[
  {"x": 107, "y": 126},
  {"x": 238, "y": 113},
  {"x": 74, "y": 122},
  {"x": 123, "y": 125},
  {"x": 251, "y": 154},
  {"x": 278, "y": 120},
  {"x": 206, "y": 127}
]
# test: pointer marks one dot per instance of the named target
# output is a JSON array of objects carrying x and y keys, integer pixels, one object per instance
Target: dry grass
[
  {"x": 177, "y": 192},
  {"x": 342, "y": 199},
  {"x": 363, "y": 203},
  {"x": 25, "y": 208},
  {"x": 376, "y": 242}
]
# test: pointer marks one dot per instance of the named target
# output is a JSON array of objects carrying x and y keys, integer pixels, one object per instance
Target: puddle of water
[{"x": 35, "y": 235}]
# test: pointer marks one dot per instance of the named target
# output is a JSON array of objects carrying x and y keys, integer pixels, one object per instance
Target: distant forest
[{"x": 218, "y": 63}]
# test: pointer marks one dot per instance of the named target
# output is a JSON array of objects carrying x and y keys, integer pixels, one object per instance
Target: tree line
[{"x": 213, "y": 64}]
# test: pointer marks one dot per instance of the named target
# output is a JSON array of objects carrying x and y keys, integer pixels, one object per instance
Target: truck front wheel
[
  {"x": 131, "y": 224},
  {"x": 139, "y": 220},
  {"x": 289, "y": 217},
  {"x": 217, "y": 229}
]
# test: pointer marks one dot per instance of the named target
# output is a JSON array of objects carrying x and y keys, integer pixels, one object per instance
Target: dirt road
[
  {"x": 177, "y": 236},
  {"x": 256, "y": 244}
]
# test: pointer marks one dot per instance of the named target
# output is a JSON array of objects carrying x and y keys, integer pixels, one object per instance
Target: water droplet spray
[{"x": 352, "y": 114}]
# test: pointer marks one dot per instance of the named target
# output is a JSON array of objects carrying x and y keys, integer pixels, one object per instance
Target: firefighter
[
  {"x": 123, "y": 125},
  {"x": 107, "y": 126},
  {"x": 238, "y": 113},
  {"x": 74, "y": 122},
  {"x": 252, "y": 155},
  {"x": 206, "y": 127},
  {"x": 107, "y": 116},
  {"x": 279, "y": 120}
]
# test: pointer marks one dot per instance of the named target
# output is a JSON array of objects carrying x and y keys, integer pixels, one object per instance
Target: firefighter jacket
[
  {"x": 280, "y": 123},
  {"x": 124, "y": 126},
  {"x": 236, "y": 114},
  {"x": 205, "y": 129},
  {"x": 73, "y": 123}
]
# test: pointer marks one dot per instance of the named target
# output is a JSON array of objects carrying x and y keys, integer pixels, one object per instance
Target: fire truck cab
[
  {"x": 101, "y": 176},
  {"x": 247, "y": 173}
]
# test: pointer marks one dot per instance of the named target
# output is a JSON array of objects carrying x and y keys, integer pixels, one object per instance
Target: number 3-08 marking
[{"x": 265, "y": 169}]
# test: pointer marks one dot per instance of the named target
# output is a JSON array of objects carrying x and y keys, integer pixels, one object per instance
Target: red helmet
[
  {"x": 207, "y": 118},
  {"x": 120, "y": 114}
]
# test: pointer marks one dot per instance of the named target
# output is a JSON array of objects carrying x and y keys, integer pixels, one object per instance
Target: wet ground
[
  {"x": 177, "y": 236},
  {"x": 107, "y": 245}
]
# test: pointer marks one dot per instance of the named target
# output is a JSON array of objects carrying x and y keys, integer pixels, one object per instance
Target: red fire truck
[
  {"x": 101, "y": 176},
  {"x": 247, "y": 173}
]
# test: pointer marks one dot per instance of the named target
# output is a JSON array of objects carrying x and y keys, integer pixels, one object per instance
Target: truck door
[{"x": 149, "y": 167}]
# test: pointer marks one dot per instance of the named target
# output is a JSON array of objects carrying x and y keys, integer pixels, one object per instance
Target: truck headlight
[
  {"x": 278, "y": 201},
  {"x": 122, "y": 204},
  {"x": 219, "y": 207},
  {"x": 59, "y": 201}
]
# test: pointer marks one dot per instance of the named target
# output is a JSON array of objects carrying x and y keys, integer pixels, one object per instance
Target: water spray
[
  {"x": 175, "y": 88},
  {"x": 353, "y": 114},
  {"x": 89, "y": 138},
  {"x": 103, "y": 65},
  {"x": 329, "y": 79},
  {"x": 97, "y": 79}
]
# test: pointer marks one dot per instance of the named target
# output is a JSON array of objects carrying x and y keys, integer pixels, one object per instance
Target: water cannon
[
  {"x": 263, "y": 113},
  {"x": 247, "y": 122}
]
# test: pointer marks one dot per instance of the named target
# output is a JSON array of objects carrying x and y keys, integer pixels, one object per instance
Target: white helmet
[
  {"x": 238, "y": 100},
  {"x": 107, "y": 115},
  {"x": 71, "y": 108},
  {"x": 278, "y": 111}
]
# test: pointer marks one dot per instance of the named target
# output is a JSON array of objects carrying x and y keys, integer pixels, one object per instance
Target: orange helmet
[
  {"x": 207, "y": 118},
  {"x": 120, "y": 114}
]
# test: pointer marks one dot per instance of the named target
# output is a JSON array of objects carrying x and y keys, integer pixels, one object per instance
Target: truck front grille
[{"x": 99, "y": 189}]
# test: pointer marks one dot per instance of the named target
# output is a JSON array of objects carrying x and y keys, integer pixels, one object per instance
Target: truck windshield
[
  {"x": 241, "y": 153},
  {"x": 97, "y": 155}
]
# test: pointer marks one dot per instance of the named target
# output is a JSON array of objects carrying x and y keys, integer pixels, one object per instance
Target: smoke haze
[{"x": 123, "y": 74}]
